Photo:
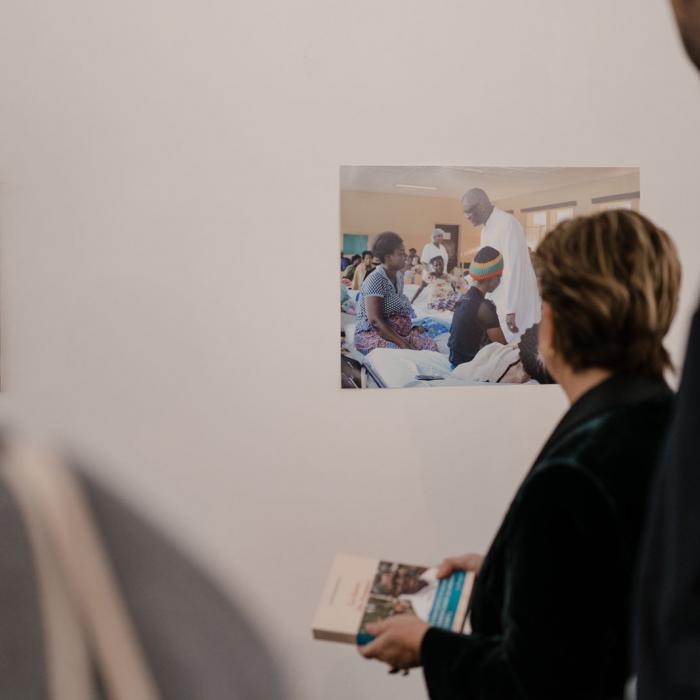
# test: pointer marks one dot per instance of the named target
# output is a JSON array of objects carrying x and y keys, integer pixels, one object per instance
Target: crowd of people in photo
[{"x": 457, "y": 312}]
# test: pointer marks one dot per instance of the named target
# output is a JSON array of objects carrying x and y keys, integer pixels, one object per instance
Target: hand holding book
[
  {"x": 397, "y": 641},
  {"x": 465, "y": 562},
  {"x": 361, "y": 592}
]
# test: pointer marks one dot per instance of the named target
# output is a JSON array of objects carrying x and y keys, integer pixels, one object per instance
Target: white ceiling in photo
[{"x": 453, "y": 181}]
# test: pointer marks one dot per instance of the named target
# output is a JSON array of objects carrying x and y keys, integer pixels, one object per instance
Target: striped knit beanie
[{"x": 488, "y": 262}]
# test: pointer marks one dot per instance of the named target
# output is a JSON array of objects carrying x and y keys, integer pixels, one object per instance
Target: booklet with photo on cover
[{"x": 359, "y": 591}]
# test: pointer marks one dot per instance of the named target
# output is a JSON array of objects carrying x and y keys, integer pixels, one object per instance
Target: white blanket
[{"x": 399, "y": 368}]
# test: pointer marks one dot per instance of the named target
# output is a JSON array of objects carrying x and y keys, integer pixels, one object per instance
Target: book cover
[{"x": 361, "y": 590}]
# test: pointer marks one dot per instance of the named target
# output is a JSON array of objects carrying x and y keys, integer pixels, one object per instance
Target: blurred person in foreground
[
  {"x": 667, "y": 619},
  {"x": 551, "y": 603},
  {"x": 97, "y": 604}
]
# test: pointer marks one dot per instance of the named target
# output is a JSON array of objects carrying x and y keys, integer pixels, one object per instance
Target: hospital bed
[{"x": 394, "y": 369}]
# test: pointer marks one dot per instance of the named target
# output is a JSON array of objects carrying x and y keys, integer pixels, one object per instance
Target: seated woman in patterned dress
[
  {"x": 384, "y": 312},
  {"x": 442, "y": 292}
]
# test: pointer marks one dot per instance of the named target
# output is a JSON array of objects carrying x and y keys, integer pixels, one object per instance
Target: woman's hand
[
  {"x": 398, "y": 641},
  {"x": 466, "y": 562}
]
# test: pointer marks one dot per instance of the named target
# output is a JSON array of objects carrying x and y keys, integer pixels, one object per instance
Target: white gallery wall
[{"x": 169, "y": 212}]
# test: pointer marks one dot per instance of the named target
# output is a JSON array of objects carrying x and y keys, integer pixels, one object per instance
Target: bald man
[
  {"x": 517, "y": 299},
  {"x": 667, "y": 618}
]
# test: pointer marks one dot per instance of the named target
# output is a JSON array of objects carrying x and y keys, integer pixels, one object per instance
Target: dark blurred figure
[
  {"x": 667, "y": 620},
  {"x": 531, "y": 358},
  {"x": 688, "y": 17},
  {"x": 97, "y": 604},
  {"x": 668, "y": 606}
]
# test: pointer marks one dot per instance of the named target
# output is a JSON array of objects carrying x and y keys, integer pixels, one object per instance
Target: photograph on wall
[{"x": 437, "y": 282}]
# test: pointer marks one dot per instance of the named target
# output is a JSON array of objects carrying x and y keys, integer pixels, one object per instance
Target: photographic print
[{"x": 437, "y": 283}]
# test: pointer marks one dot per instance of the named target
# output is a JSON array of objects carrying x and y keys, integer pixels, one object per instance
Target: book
[{"x": 359, "y": 590}]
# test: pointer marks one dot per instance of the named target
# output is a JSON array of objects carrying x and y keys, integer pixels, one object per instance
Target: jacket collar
[{"x": 615, "y": 392}]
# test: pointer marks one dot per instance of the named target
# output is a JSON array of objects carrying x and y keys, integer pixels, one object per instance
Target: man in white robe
[{"x": 517, "y": 298}]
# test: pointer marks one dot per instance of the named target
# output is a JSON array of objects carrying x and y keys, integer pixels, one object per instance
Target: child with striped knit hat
[{"x": 475, "y": 321}]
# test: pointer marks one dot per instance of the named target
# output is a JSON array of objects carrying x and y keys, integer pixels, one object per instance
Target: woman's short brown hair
[{"x": 612, "y": 280}]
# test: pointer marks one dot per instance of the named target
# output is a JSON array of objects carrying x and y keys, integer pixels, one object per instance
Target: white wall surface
[{"x": 164, "y": 166}]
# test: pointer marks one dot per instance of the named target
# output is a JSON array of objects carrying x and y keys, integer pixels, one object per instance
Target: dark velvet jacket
[
  {"x": 668, "y": 612},
  {"x": 551, "y": 605}
]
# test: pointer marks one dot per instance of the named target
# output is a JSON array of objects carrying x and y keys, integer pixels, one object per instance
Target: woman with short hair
[
  {"x": 384, "y": 312},
  {"x": 551, "y": 604}
]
